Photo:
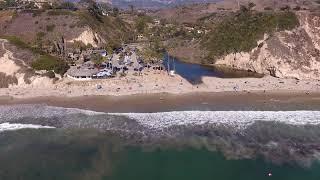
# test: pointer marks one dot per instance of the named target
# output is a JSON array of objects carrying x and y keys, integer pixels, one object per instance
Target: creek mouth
[{"x": 194, "y": 72}]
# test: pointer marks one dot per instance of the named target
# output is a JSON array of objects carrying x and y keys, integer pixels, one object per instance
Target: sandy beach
[{"x": 154, "y": 83}]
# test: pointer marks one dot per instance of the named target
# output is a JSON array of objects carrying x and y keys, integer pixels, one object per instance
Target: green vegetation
[
  {"x": 50, "y": 27},
  {"x": 80, "y": 45},
  {"x": 60, "y": 12},
  {"x": 154, "y": 51},
  {"x": 13, "y": 3},
  {"x": 49, "y": 63},
  {"x": 20, "y": 44},
  {"x": 241, "y": 32},
  {"x": 108, "y": 27},
  {"x": 45, "y": 61},
  {"x": 141, "y": 23},
  {"x": 67, "y": 5},
  {"x": 50, "y": 74},
  {"x": 5, "y": 80},
  {"x": 97, "y": 59},
  {"x": 40, "y": 35}
]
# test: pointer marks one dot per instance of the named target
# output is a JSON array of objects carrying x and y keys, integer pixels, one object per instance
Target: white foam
[
  {"x": 12, "y": 127},
  {"x": 39, "y": 111},
  {"x": 237, "y": 119}
]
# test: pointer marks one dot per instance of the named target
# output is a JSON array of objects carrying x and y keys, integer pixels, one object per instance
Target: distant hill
[
  {"x": 192, "y": 13},
  {"x": 153, "y": 4}
]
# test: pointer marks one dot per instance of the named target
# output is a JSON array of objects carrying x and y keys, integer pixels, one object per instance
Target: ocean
[{"x": 46, "y": 142}]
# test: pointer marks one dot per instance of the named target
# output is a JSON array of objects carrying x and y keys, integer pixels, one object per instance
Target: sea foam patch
[{"x": 237, "y": 119}]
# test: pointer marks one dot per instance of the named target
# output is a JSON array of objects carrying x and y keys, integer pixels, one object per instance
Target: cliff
[{"x": 292, "y": 54}]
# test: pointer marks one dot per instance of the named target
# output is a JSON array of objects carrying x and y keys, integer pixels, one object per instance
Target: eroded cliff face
[
  {"x": 15, "y": 70},
  {"x": 89, "y": 37},
  {"x": 287, "y": 54}
]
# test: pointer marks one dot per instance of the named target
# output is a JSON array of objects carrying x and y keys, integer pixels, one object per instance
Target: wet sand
[{"x": 162, "y": 102}]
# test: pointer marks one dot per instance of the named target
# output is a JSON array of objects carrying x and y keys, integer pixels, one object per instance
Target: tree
[
  {"x": 131, "y": 8},
  {"x": 97, "y": 59},
  {"x": 140, "y": 25},
  {"x": 115, "y": 11},
  {"x": 11, "y": 3},
  {"x": 251, "y": 5},
  {"x": 95, "y": 11},
  {"x": 67, "y": 5}
]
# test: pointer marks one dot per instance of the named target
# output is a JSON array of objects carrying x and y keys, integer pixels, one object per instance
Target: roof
[{"x": 82, "y": 71}]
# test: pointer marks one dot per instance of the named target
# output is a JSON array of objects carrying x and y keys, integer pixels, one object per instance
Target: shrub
[
  {"x": 50, "y": 63},
  {"x": 5, "y": 81},
  {"x": 241, "y": 32},
  {"x": 285, "y": 8},
  {"x": 268, "y": 9},
  {"x": 60, "y": 13},
  {"x": 45, "y": 61},
  {"x": 297, "y": 8},
  {"x": 122, "y": 74},
  {"x": 40, "y": 35},
  {"x": 97, "y": 59},
  {"x": 141, "y": 23},
  {"x": 50, "y": 74},
  {"x": 21, "y": 44},
  {"x": 68, "y": 6},
  {"x": 50, "y": 28},
  {"x": 36, "y": 13}
]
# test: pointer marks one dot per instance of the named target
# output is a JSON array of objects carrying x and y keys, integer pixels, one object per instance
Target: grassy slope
[
  {"x": 240, "y": 33},
  {"x": 44, "y": 60},
  {"x": 53, "y": 24},
  {"x": 113, "y": 29}
]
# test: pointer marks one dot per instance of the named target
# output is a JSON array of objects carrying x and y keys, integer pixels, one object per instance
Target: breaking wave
[
  {"x": 12, "y": 127},
  {"x": 237, "y": 119},
  {"x": 160, "y": 120}
]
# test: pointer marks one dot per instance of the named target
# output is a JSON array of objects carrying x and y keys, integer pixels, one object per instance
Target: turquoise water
[
  {"x": 88, "y": 154},
  {"x": 189, "y": 164}
]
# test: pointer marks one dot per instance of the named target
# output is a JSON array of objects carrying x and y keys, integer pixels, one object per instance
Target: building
[{"x": 86, "y": 71}]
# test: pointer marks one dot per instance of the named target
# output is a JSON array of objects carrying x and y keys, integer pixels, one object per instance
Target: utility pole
[{"x": 238, "y": 2}]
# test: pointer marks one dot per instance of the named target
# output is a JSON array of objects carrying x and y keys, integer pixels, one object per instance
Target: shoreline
[{"x": 164, "y": 102}]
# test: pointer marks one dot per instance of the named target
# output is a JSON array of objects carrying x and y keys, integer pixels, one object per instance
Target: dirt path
[
  {"x": 7, "y": 61},
  {"x": 9, "y": 54}
]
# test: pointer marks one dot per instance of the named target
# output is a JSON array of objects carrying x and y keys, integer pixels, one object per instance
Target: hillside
[
  {"x": 293, "y": 53},
  {"x": 281, "y": 41},
  {"x": 41, "y": 38},
  {"x": 51, "y": 25},
  {"x": 255, "y": 37},
  {"x": 191, "y": 13},
  {"x": 153, "y": 4}
]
